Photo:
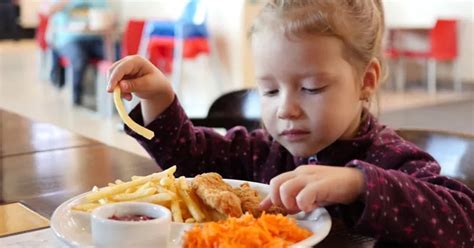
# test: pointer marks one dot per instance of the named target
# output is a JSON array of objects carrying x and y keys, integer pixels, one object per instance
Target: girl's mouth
[{"x": 294, "y": 134}]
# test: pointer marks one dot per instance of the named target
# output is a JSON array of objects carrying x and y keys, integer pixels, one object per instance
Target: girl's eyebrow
[
  {"x": 265, "y": 77},
  {"x": 318, "y": 75}
]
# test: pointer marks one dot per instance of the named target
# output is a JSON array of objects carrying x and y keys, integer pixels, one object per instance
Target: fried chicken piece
[
  {"x": 210, "y": 213},
  {"x": 249, "y": 198},
  {"x": 276, "y": 210},
  {"x": 217, "y": 194}
]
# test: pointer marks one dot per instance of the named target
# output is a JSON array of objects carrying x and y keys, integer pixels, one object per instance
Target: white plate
[{"x": 73, "y": 228}]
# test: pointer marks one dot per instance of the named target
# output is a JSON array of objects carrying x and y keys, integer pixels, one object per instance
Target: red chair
[
  {"x": 443, "y": 43},
  {"x": 132, "y": 37},
  {"x": 40, "y": 35},
  {"x": 131, "y": 40},
  {"x": 393, "y": 54},
  {"x": 40, "y": 38},
  {"x": 168, "y": 43},
  {"x": 161, "y": 50}
]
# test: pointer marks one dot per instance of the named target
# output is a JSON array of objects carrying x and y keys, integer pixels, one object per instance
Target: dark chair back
[
  {"x": 240, "y": 104},
  {"x": 453, "y": 151},
  {"x": 236, "y": 108}
]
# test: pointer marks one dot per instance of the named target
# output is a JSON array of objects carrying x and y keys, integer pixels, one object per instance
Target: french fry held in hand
[
  {"x": 147, "y": 133},
  {"x": 159, "y": 188}
]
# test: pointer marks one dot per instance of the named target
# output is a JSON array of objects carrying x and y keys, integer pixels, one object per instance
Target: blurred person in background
[
  {"x": 9, "y": 12},
  {"x": 75, "y": 38}
]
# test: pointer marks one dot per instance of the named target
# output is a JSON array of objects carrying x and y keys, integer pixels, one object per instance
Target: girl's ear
[{"x": 370, "y": 81}]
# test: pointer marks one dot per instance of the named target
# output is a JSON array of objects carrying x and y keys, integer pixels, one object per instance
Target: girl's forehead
[
  {"x": 302, "y": 55},
  {"x": 309, "y": 41},
  {"x": 310, "y": 45}
]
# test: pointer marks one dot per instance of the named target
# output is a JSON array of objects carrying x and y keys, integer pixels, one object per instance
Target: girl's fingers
[
  {"x": 112, "y": 67},
  {"x": 289, "y": 190},
  {"x": 275, "y": 184},
  {"x": 292, "y": 212},
  {"x": 307, "y": 169},
  {"x": 119, "y": 72},
  {"x": 110, "y": 87},
  {"x": 265, "y": 203},
  {"x": 127, "y": 96},
  {"x": 125, "y": 86},
  {"x": 308, "y": 198}
]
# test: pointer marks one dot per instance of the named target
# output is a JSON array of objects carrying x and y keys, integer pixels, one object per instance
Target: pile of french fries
[{"x": 159, "y": 188}]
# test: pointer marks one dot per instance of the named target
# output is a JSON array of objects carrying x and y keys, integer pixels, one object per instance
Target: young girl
[{"x": 317, "y": 64}]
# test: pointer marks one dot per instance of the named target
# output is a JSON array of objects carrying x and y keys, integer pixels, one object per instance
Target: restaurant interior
[{"x": 57, "y": 142}]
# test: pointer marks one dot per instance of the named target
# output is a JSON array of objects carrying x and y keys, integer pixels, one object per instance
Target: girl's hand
[
  {"x": 309, "y": 186},
  {"x": 138, "y": 75}
]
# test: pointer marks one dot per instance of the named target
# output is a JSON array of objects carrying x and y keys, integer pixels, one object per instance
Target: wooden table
[
  {"x": 42, "y": 166},
  {"x": 19, "y": 135},
  {"x": 61, "y": 174}
]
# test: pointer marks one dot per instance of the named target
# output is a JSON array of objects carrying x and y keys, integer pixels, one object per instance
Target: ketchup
[{"x": 131, "y": 217}]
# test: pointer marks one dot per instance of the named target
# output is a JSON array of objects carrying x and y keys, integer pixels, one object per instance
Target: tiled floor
[{"x": 22, "y": 91}]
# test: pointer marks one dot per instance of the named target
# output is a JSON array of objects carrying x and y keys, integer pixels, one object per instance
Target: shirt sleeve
[
  {"x": 414, "y": 204},
  {"x": 237, "y": 154}
]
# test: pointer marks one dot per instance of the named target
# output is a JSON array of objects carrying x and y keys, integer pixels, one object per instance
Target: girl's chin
[{"x": 303, "y": 153}]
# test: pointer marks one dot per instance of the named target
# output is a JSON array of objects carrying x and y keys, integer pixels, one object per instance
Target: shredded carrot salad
[{"x": 267, "y": 231}]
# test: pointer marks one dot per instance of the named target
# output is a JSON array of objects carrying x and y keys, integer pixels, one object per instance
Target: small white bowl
[{"x": 107, "y": 232}]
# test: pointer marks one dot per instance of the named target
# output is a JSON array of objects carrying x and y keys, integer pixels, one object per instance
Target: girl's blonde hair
[{"x": 358, "y": 23}]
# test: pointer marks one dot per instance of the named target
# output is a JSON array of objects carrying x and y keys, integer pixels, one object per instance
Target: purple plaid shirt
[{"x": 405, "y": 198}]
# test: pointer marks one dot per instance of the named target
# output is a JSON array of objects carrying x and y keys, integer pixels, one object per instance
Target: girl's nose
[{"x": 289, "y": 108}]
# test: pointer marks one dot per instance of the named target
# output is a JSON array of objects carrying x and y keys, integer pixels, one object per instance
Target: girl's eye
[
  {"x": 270, "y": 92},
  {"x": 313, "y": 90}
]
